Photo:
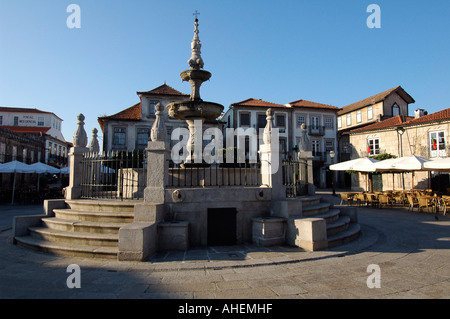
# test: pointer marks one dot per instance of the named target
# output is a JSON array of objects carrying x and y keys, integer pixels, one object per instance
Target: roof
[
  {"x": 132, "y": 113},
  {"x": 377, "y": 98},
  {"x": 315, "y": 105},
  {"x": 405, "y": 121},
  {"x": 257, "y": 103},
  {"x": 433, "y": 117},
  {"x": 163, "y": 90},
  {"x": 27, "y": 129},
  {"x": 388, "y": 123},
  {"x": 25, "y": 110}
]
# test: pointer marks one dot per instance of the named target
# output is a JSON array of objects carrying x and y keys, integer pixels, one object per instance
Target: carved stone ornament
[
  {"x": 159, "y": 132},
  {"x": 80, "y": 136},
  {"x": 94, "y": 147},
  {"x": 267, "y": 138}
]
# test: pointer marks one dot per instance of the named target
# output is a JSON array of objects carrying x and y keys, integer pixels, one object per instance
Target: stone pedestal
[
  {"x": 268, "y": 231},
  {"x": 271, "y": 171},
  {"x": 73, "y": 191},
  {"x": 173, "y": 235},
  {"x": 307, "y": 233},
  {"x": 158, "y": 155}
]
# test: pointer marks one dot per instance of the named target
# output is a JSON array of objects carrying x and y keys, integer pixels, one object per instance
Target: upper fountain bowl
[{"x": 185, "y": 110}]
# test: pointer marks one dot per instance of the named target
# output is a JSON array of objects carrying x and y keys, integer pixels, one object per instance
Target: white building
[
  {"x": 130, "y": 129},
  {"x": 28, "y": 120},
  {"x": 320, "y": 121}
]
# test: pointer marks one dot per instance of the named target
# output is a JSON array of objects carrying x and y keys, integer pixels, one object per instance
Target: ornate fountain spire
[{"x": 196, "y": 61}]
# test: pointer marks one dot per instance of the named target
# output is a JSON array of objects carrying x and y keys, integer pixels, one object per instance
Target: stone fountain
[{"x": 195, "y": 111}]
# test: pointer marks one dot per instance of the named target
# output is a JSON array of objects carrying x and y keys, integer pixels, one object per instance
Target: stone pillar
[
  {"x": 75, "y": 157},
  {"x": 305, "y": 154},
  {"x": 271, "y": 170},
  {"x": 158, "y": 155}
]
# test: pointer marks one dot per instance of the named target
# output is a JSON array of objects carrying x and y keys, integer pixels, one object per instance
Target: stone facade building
[
  {"x": 27, "y": 122},
  {"x": 130, "y": 129},
  {"x": 424, "y": 135},
  {"x": 320, "y": 121}
]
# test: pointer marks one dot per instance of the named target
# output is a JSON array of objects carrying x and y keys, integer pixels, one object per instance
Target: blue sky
[{"x": 278, "y": 51}]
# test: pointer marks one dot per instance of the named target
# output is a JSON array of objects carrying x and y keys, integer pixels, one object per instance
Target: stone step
[
  {"x": 94, "y": 216},
  {"x": 65, "y": 249},
  {"x": 330, "y": 216},
  {"x": 316, "y": 209},
  {"x": 103, "y": 205},
  {"x": 75, "y": 238},
  {"x": 310, "y": 200},
  {"x": 344, "y": 237},
  {"x": 339, "y": 225},
  {"x": 82, "y": 226}
]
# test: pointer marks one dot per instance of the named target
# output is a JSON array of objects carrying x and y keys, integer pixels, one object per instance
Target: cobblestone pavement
[{"x": 412, "y": 251}]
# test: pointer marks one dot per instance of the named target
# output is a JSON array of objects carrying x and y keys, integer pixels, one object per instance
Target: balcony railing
[{"x": 316, "y": 130}]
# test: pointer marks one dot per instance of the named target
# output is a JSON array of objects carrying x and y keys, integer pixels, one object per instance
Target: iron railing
[
  {"x": 295, "y": 178},
  {"x": 219, "y": 175},
  {"x": 113, "y": 175}
]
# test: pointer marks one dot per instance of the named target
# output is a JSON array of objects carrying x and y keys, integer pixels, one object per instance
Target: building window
[
  {"x": 370, "y": 112},
  {"x": 280, "y": 121},
  {"x": 262, "y": 121},
  {"x": 437, "y": 144},
  {"x": 395, "y": 110},
  {"x": 329, "y": 145},
  {"x": 315, "y": 122},
  {"x": 119, "y": 137},
  {"x": 329, "y": 122},
  {"x": 358, "y": 116},
  {"x": 50, "y": 148},
  {"x": 373, "y": 146},
  {"x": 301, "y": 119},
  {"x": 349, "y": 119},
  {"x": 142, "y": 138},
  {"x": 40, "y": 121},
  {"x": 339, "y": 122},
  {"x": 16, "y": 121},
  {"x": 152, "y": 107},
  {"x": 316, "y": 148},
  {"x": 1, "y": 120},
  {"x": 244, "y": 119}
]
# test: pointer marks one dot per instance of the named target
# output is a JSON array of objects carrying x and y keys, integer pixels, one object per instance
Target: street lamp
[{"x": 332, "y": 155}]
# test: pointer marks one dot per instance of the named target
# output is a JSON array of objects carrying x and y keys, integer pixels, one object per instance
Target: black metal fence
[
  {"x": 219, "y": 175},
  {"x": 113, "y": 175},
  {"x": 295, "y": 177}
]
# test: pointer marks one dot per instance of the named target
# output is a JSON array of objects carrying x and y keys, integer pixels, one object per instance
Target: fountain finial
[{"x": 196, "y": 61}]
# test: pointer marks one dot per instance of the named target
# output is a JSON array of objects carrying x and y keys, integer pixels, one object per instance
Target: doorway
[{"x": 222, "y": 226}]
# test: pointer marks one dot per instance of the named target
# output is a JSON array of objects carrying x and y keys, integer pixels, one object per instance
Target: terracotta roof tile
[
  {"x": 27, "y": 129},
  {"x": 434, "y": 117},
  {"x": 163, "y": 90},
  {"x": 132, "y": 113},
  {"x": 257, "y": 103},
  {"x": 315, "y": 105},
  {"x": 390, "y": 122},
  {"x": 375, "y": 99}
]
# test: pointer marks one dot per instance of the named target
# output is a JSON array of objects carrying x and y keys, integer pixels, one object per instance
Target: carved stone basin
[{"x": 185, "y": 110}]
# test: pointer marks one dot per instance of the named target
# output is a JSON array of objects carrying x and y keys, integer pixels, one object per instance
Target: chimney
[{"x": 419, "y": 113}]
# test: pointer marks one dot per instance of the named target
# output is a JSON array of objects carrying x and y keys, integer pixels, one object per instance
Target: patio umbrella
[
  {"x": 364, "y": 164},
  {"x": 403, "y": 164},
  {"x": 15, "y": 167},
  {"x": 65, "y": 170},
  {"x": 42, "y": 168},
  {"x": 439, "y": 164}
]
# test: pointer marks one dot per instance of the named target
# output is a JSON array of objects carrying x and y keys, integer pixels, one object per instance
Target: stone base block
[
  {"x": 268, "y": 231},
  {"x": 307, "y": 233},
  {"x": 173, "y": 235},
  {"x": 286, "y": 208},
  {"x": 149, "y": 212},
  {"x": 137, "y": 241}
]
